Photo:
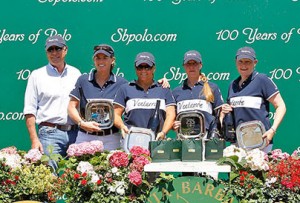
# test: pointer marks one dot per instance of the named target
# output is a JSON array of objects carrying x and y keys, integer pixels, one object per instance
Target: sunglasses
[
  {"x": 105, "y": 48},
  {"x": 141, "y": 67},
  {"x": 51, "y": 49},
  {"x": 191, "y": 64}
]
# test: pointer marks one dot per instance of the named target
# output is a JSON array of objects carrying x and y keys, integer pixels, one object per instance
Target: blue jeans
[{"x": 60, "y": 140}]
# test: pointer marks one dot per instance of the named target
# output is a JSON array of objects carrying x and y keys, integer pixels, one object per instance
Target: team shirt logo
[
  {"x": 246, "y": 102},
  {"x": 139, "y": 103},
  {"x": 195, "y": 104}
]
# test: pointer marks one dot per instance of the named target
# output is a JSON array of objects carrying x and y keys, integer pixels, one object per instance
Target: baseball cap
[
  {"x": 104, "y": 49},
  {"x": 144, "y": 57},
  {"x": 246, "y": 52},
  {"x": 55, "y": 40},
  {"x": 192, "y": 55}
]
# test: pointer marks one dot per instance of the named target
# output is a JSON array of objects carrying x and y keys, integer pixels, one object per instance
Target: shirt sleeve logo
[{"x": 246, "y": 102}]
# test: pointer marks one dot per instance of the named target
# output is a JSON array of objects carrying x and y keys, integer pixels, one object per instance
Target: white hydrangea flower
[
  {"x": 120, "y": 190},
  {"x": 114, "y": 170},
  {"x": 232, "y": 150},
  {"x": 269, "y": 182},
  {"x": 256, "y": 160},
  {"x": 12, "y": 160},
  {"x": 85, "y": 166},
  {"x": 118, "y": 185},
  {"x": 95, "y": 176},
  {"x": 112, "y": 188}
]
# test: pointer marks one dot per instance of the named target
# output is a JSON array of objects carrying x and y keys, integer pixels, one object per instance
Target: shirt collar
[
  {"x": 247, "y": 81},
  {"x": 55, "y": 69},
  {"x": 186, "y": 86}
]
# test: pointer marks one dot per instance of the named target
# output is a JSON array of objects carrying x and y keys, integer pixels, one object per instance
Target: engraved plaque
[
  {"x": 138, "y": 137},
  {"x": 249, "y": 135},
  {"x": 100, "y": 111},
  {"x": 192, "y": 125}
]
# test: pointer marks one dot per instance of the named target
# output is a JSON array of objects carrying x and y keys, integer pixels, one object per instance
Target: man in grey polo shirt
[{"x": 47, "y": 98}]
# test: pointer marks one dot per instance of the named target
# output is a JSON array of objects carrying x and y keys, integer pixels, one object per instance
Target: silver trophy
[
  {"x": 138, "y": 137},
  {"x": 192, "y": 125},
  {"x": 249, "y": 135},
  {"x": 100, "y": 111}
]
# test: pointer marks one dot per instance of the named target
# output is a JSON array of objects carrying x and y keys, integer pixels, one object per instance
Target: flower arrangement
[
  {"x": 24, "y": 176},
  {"x": 93, "y": 175},
  {"x": 260, "y": 177}
]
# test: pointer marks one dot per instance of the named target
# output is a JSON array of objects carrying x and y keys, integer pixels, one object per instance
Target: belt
[
  {"x": 104, "y": 132},
  {"x": 58, "y": 126}
]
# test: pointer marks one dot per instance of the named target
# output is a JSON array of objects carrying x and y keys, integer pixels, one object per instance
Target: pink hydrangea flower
[
  {"x": 139, "y": 163},
  {"x": 278, "y": 154},
  {"x": 33, "y": 155},
  {"x": 9, "y": 150},
  {"x": 296, "y": 153},
  {"x": 138, "y": 151},
  {"x": 85, "y": 148},
  {"x": 119, "y": 159},
  {"x": 135, "y": 178}
]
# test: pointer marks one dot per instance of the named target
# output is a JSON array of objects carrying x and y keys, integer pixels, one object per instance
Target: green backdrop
[{"x": 167, "y": 28}]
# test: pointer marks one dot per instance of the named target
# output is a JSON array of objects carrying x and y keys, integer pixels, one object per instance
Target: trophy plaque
[
  {"x": 100, "y": 111},
  {"x": 192, "y": 125},
  {"x": 249, "y": 135},
  {"x": 138, "y": 137}
]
